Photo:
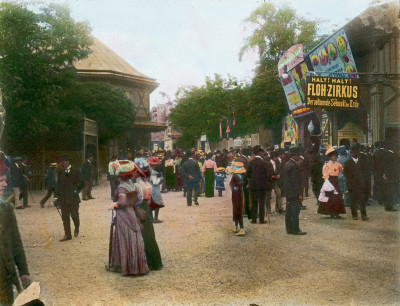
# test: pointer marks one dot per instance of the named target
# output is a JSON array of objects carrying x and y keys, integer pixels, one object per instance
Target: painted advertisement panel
[
  {"x": 334, "y": 55},
  {"x": 294, "y": 81}
]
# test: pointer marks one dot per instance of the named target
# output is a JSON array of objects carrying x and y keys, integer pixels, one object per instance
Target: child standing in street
[
  {"x": 236, "y": 184},
  {"x": 220, "y": 176}
]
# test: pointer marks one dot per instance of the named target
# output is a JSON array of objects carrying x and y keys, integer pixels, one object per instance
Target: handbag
[{"x": 140, "y": 214}]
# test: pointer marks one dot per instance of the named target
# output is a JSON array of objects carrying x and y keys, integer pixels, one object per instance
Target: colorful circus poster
[
  {"x": 294, "y": 81},
  {"x": 334, "y": 56},
  {"x": 290, "y": 130}
]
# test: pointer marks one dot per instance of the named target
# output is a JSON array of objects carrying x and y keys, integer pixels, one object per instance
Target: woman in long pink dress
[{"x": 127, "y": 246}]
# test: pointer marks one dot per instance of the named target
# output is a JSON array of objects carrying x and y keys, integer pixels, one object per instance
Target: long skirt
[
  {"x": 169, "y": 177},
  {"x": 334, "y": 206},
  {"x": 127, "y": 252},
  {"x": 209, "y": 176},
  {"x": 150, "y": 244},
  {"x": 237, "y": 205}
]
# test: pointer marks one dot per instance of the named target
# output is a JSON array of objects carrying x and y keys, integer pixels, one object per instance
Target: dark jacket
[
  {"x": 87, "y": 171},
  {"x": 16, "y": 175},
  {"x": 292, "y": 183},
  {"x": 259, "y": 174},
  {"x": 50, "y": 178},
  {"x": 68, "y": 187},
  {"x": 356, "y": 175},
  {"x": 11, "y": 249},
  {"x": 191, "y": 167}
]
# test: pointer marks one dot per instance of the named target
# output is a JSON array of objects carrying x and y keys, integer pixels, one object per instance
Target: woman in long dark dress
[
  {"x": 209, "y": 169},
  {"x": 169, "y": 172},
  {"x": 330, "y": 197},
  {"x": 236, "y": 184},
  {"x": 150, "y": 244},
  {"x": 127, "y": 247}
]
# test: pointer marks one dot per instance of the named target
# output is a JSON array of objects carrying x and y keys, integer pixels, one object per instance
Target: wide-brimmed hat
[
  {"x": 178, "y": 152},
  {"x": 125, "y": 168},
  {"x": 220, "y": 169},
  {"x": 331, "y": 150},
  {"x": 53, "y": 165},
  {"x": 139, "y": 170},
  {"x": 238, "y": 167},
  {"x": 196, "y": 156},
  {"x": 153, "y": 160}
]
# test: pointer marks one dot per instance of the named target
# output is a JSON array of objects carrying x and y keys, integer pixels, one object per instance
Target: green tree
[
  {"x": 109, "y": 106},
  {"x": 37, "y": 51},
  {"x": 274, "y": 31},
  {"x": 201, "y": 110},
  {"x": 44, "y": 101}
]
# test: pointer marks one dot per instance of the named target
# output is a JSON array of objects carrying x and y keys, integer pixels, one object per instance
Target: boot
[
  {"x": 240, "y": 233},
  {"x": 235, "y": 229},
  {"x": 65, "y": 238}
]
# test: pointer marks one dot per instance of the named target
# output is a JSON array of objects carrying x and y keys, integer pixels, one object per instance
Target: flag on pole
[
  {"x": 220, "y": 130},
  {"x": 228, "y": 130}
]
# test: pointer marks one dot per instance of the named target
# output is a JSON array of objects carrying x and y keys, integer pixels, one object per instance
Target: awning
[{"x": 150, "y": 126}]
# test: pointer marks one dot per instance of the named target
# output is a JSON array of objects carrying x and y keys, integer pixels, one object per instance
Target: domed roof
[{"x": 103, "y": 60}]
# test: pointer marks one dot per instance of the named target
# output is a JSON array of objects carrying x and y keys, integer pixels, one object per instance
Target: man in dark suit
[
  {"x": 275, "y": 165},
  {"x": 293, "y": 189},
  {"x": 190, "y": 171},
  {"x": 355, "y": 171},
  {"x": 259, "y": 174},
  {"x": 87, "y": 175},
  {"x": 69, "y": 185}
]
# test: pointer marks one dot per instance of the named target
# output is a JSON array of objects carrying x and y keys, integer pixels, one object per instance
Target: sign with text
[{"x": 332, "y": 93}]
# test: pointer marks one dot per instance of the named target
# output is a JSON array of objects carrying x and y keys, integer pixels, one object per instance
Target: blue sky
[{"x": 180, "y": 42}]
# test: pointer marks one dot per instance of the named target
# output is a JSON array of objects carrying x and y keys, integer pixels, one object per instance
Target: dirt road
[{"x": 339, "y": 262}]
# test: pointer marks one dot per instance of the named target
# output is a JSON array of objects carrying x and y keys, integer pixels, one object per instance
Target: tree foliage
[
  {"x": 44, "y": 101},
  {"x": 200, "y": 110},
  {"x": 276, "y": 30},
  {"x": 37, "y": 52}
]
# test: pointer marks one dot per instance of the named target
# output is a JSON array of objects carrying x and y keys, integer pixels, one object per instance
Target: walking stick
[{"x": 55, "y": 204}]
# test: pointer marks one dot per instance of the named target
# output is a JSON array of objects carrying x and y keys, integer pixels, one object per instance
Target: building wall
[{"x": 383, "y": 102}]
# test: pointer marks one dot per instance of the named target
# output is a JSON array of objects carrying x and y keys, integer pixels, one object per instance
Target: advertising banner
[
  {"x": 332, "y": 93},
  {"x": 290, "y": 130},
  {"x": 294, "y": 83},
  {"x": 334, "y": 55}
]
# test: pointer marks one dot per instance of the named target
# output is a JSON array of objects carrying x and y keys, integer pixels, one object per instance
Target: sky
[{"x": 181, "y": 42}]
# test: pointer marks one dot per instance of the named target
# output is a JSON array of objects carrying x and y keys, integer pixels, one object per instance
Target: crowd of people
[
  {"x": 351, "y": 175},
  {"x": 347, "y": 176}
]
